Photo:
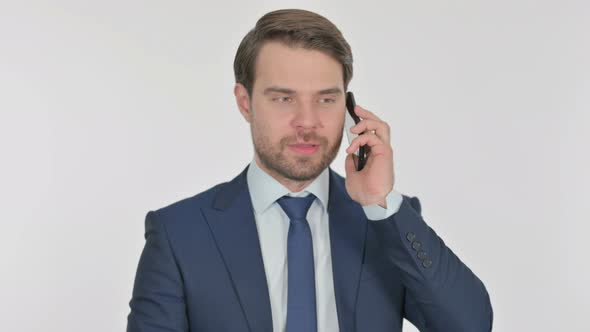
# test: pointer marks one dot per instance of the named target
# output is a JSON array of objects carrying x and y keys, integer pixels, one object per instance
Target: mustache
[{"x": 307, "y": 137}]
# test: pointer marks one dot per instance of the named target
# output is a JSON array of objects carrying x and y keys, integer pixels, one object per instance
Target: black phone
[{"x": 350, "y": 120}]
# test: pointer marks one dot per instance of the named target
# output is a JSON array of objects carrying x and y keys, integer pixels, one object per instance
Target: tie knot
[{"x": 296, "y": 207}]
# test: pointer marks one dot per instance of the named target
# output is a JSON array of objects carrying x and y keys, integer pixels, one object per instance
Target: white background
[{"x": 109, "y": 109}]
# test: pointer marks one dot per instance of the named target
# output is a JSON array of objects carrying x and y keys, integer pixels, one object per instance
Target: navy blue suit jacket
[{"x": 201, "y": 269}]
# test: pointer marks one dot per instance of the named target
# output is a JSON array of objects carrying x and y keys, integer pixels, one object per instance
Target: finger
[
  {"x": 369, "y": 140},
  {"x": 366, "y": 125},
  {"x": 376, "y": 144},
  {"x": 365, "y": 114},
  {"x": 349, "y": 164}
]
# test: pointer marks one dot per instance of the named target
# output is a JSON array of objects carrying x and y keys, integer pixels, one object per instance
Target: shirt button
[
  {"x": 410, "y": 236},
  {"x": 416, "y": 245}
]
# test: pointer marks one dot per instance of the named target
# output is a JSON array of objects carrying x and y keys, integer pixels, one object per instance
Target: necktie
[{"x": 301, "y": 306}]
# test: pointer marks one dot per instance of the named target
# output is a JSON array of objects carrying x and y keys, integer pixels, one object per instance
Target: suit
[{"x": 201, "y": 269}]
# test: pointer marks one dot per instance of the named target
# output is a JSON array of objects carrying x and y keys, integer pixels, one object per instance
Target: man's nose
[{"x": 307, "y": 116}]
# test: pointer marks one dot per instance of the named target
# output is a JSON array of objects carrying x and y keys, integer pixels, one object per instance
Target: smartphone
[{"x": 361, "y": 154}]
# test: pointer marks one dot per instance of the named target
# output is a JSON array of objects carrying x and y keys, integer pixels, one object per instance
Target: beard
[{"x": 279, "y": 160}]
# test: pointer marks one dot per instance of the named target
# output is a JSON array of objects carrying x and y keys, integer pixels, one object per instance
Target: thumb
[{"x": 349, "y": 164}]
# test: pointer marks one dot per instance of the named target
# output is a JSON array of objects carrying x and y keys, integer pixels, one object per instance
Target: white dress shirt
[{"x": 272, "y": 224}]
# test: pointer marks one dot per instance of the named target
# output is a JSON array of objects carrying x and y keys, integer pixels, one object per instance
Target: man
[{"x": 288, "y": 244}]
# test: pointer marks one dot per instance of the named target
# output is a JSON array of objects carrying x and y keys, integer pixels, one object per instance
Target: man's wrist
[{"x": 385, "y": 209}]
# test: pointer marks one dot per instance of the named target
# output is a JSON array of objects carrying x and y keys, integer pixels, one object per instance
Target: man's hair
[{"x": 294, "y": 28}]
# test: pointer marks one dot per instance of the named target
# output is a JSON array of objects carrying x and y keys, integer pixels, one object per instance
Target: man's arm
[
  {"x": 442, "y": 293},
  {"x": 158, "y": 302}
]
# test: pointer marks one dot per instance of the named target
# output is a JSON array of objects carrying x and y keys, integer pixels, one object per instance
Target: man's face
[{"x": 296, "y": 111}]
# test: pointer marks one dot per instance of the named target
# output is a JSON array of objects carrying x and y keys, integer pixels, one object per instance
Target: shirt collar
[{"x": 265, "y": 190}]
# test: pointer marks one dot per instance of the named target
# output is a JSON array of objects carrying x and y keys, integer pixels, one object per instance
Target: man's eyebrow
[
  {"x": 334, "y": 90},
  {"x": 330, "y": 91},
  {"x": 279, "y": 90}
]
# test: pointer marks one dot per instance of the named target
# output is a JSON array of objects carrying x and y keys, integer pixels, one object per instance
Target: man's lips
[
  {"x": 307, "y": 149},
  {"x": 304, "y": 145}
]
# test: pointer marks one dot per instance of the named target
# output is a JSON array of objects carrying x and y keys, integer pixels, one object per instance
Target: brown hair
[{"x": 294, "y": 28}]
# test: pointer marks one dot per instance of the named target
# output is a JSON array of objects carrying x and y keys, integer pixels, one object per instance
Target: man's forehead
[{"x": 297, "y": 69}]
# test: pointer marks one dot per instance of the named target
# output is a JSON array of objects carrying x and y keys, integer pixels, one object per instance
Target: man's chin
[
  {"x": 302, "y": 169},
  {"x": 297, "y": 166},
  {"x": 302, "y": 176}
]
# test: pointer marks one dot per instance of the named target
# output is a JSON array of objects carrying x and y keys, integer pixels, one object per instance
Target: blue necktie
[{"x": 301, "y": 306}]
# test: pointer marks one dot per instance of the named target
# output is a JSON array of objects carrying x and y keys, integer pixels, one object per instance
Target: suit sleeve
[
  {"x": 442, "y": 293},
  {"x": 158, "y": 303}
]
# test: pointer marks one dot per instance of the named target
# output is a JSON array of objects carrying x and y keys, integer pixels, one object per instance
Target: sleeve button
[
  {"x": 416, "y": 245},
  {"x": 410, "y": 236},
  {"x": 426, "y": 263},
  {"x": 422, "y": 255}
]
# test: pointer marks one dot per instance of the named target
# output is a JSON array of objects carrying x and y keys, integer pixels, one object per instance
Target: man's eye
[
  {"x": 328, "y": 100},
  {"x": 283, "y": 99}
]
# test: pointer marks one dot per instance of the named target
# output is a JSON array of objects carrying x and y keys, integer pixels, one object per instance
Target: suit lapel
[
  {"x": 348, "y": 227},
  {"x": 231, "y": 220}
]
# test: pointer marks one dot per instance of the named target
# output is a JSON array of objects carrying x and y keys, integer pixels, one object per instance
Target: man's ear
[{"x": 243, "y": 101}]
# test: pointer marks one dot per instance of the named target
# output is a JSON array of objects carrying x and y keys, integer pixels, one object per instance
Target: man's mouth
[{"x": 306, "y": 149}]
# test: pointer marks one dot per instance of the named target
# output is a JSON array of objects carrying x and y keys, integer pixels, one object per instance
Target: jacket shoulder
[{"x": 187, "y": 208}]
